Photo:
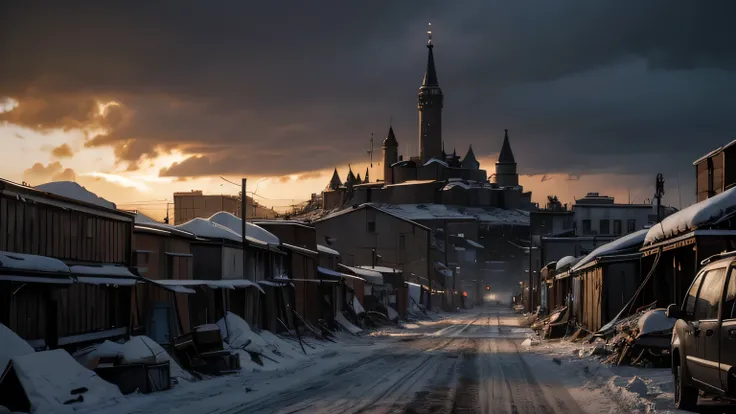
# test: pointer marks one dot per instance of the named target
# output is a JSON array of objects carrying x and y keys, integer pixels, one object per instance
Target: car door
[
  {"x": 727, "y": 351},
  {"x": 704, "y": 364},
  {"x": 688, "y": 340},
  {"x": 710, "y": 332}
]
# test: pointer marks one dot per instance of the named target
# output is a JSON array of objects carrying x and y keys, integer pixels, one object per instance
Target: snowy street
[{"x": 471, "y": 362}]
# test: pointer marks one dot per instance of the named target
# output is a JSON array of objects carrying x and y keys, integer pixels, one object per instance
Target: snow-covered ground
[{"x": 632, "y": 389}]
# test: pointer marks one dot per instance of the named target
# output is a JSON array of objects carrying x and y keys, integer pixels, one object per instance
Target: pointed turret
[
  {"x": 335, "y": 182},
  {"x": 506, "y": 175},
  {"x": 366, "y": 180},
  {"x": 390, "y": 155},
  {"x": 350, "y": 179},
  {"x": 358, "y": 180},
  {"x": 469, "y": 162},
  {"x": 506, "y": 156}
]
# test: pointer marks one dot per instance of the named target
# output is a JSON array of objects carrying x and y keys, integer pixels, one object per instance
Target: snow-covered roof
[
  {"x": 327, "y": 250},
  {"x": 567, "y": 261},
  {"x": 103, "y": 270},
  {"x": 630, "y": 241},
  {"x": 460, "y": 184},
  {"x": 330, "y": 272},
  {"x": 412, "y": 182},
  {"x": 370, "y": 276},
  {"x": 381, "y": 269},
  {"x": 30, "y": 262},
  {"x": 475, "y": 244},
  {"x": 697, "y": 215},
  {"x": 253, "y": 232},
  {"x": 436, "y": 161},
  {"x": 423, "y": 211},
  {"x": 70, "y": 189},
  {"x": 209, "y": 230},
  {"x": 213, "y": 284},
  {"x": 299, "y": 249}
]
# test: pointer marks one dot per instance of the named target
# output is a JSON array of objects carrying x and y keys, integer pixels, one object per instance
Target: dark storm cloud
[{"x": 278, "y": 88}]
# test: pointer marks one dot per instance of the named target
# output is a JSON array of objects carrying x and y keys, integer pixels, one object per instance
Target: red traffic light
[{"x": 488, "y": 288}]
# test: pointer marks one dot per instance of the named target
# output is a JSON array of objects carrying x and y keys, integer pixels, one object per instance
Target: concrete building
[
  {"x": 195, "y": 204},
  {"x": 597, "y": 214},
  {"x": 368, "y": 235}
]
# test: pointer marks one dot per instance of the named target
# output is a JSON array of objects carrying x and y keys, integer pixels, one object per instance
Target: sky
[{"x": 136, "y": 100}]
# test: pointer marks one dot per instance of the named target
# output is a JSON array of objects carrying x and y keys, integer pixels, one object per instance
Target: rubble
[{"x": 641, "y": 339}]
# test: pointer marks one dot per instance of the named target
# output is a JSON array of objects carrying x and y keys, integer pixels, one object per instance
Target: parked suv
[{"x": 704, "y": 337}]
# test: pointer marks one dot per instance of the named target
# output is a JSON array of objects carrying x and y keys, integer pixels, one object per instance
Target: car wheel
[{"x": 686, "y": 396}]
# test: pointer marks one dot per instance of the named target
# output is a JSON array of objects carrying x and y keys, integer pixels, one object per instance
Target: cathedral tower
[
  {"x": 390, "y": 155},
  {"x": 430, "y": 110}
]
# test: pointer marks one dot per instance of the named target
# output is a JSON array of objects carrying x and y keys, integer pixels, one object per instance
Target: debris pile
[
  {"x": 640, "y": 339},
  {"x": 553, "y": 325}
]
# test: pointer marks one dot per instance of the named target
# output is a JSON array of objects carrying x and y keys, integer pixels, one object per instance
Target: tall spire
[
  {"x": 390, "y": 140},
  {"x": 430, "y": 75},
  {"x": 366, "y": 180},
  {"x": 506, "y": 156}
]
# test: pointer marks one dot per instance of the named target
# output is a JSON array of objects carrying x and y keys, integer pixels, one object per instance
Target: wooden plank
[
  {"x": 27, "y": 229},
  {"x": 3, "y": 223},
  {"x": 11, "y": 226},
  {"x": 19, "y": 227}
]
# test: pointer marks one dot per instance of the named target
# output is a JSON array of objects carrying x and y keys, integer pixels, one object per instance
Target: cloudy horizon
[{"x": 138, "y": 100}]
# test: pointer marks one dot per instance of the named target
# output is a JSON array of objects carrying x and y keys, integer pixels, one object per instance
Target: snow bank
[
  {"x": 49, "y": 377},
  {"x": 693, "y": 217},
  {"x": 240, "y": 335},
  {"x": 142, "y": 349},
  {"x": 340, "y": 319},
  {"x": 70, "y": 189},
  {"x": 12, "y": 346},
  {"x": 209, "y": 230},
  {"x": 655, "y": 320},
  {"x": 21, "y": 261},
  {"x": 630, "y": 241},
  {"x": 253, "y": 232}
]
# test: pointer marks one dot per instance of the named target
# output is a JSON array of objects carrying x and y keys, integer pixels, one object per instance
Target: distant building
[
  {"x": 194, "y": 204},
  {"x": 597, "y": 214},
  {"x": 713, "y": 171}
]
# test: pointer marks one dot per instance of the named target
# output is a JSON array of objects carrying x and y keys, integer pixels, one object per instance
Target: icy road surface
[{"x": 474, "y": 365}]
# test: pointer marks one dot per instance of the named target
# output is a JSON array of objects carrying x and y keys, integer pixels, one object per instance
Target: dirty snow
[
  {"x": 693, "y": 217},
  {"x": 70, "y": 189},
  {"x": 49, "y": 377},
  {"x": 357, "y": 307}
]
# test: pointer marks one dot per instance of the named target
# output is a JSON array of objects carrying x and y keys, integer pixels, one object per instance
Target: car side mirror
[{"x": 674, "y": 312}]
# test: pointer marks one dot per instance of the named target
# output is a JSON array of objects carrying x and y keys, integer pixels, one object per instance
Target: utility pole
[
  {"x": 659, "y": 192},
  {"x": 531, "y": 277}
]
